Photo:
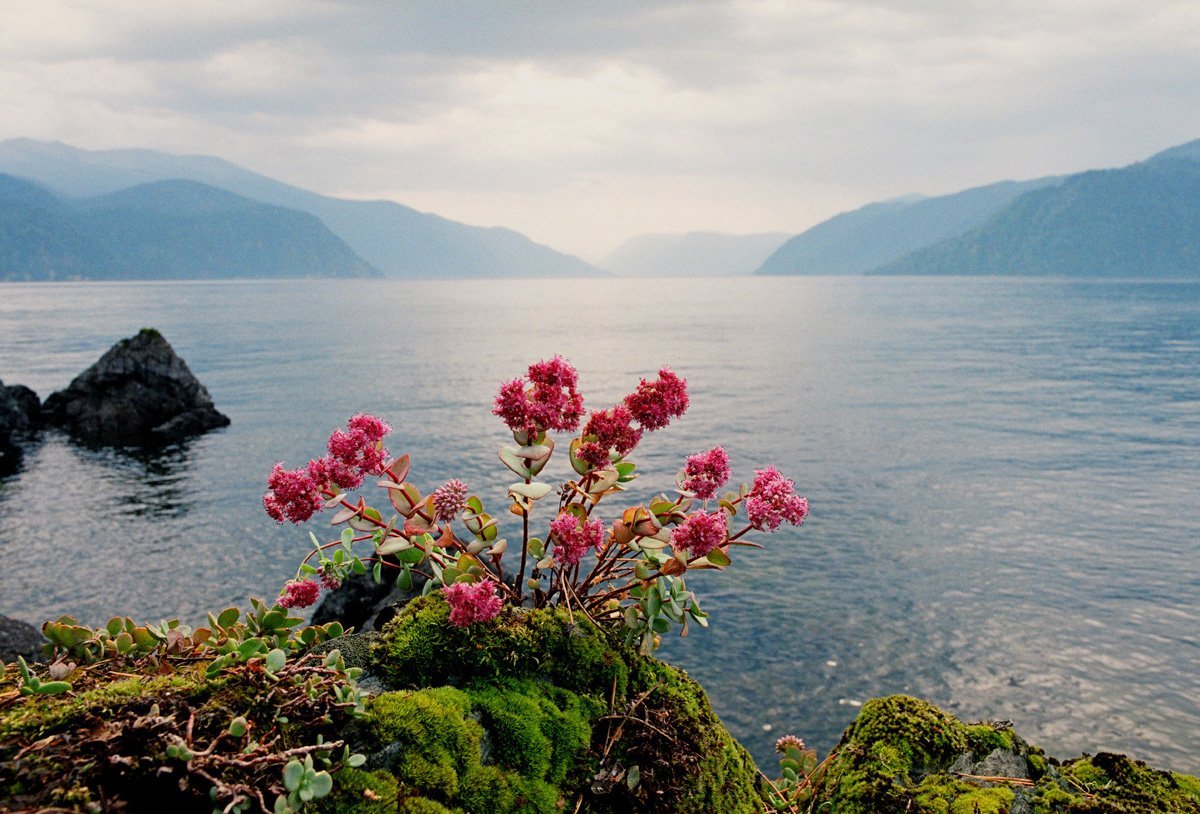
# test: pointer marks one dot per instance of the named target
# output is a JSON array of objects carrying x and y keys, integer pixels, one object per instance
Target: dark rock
[
  {"x": 355, "y": 603},
  {"x": 20, "y": 417},
  {"x": 18, "y": 638},
  {"x": 140, "y": 393},
  {"x": 20, "y": 410}
]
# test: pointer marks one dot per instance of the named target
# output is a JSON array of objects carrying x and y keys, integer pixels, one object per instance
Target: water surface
[{"x": 1004, "y": 474}]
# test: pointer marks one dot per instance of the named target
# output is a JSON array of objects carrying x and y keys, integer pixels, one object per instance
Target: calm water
[{"x": 1004, "y": 474}]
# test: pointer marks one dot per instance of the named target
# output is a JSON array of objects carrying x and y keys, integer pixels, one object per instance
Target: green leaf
[
  {"x": 532, "y": 491},
  {"x": 293, "y": 775},
  {"x": 511, "y": 458},
  {"x": 250, "y": 647},
  {"x": 356, "y": 760},
  {"x": 237, "y": 727},
  {"x": 405, "y": 581},
  {"x": 124, "y": 643},
  {"x": 228, "y": 617},
  {"x": 53, "y": 687},
  {"x": 718, "y": 558},
  {"x": 411, "y": 556},
  {"x": 115, "y": 625},
  {"x": 274, "y": 620},
  {"x": 578, "y": 464},
  {"x": 321, "y": 784},
  {"x": 377, "y": 571},
  {"x": 391, "y": 545},
  {"x": 275, "y": 660},
  {"x": 357, "y": 567},
  {"x": 661, "y": 625}
]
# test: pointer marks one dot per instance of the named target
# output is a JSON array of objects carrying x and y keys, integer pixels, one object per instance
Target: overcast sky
[{"x": 583, "y": 123}]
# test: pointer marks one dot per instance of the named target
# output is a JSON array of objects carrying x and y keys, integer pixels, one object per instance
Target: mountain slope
[
  {"x": 696, "y": 254},
  {"x": 859, "y": 241},
  {"x": 162, "y": 230},
  {"x": 1138, "y": 221},
  {"x": 397, "y": 239}
]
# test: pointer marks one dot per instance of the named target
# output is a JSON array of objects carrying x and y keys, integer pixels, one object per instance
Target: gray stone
[
  {"x": 18, "y": 638},
  {"x": 20, "y": 417},
  {"x": 140, "y": 393}
]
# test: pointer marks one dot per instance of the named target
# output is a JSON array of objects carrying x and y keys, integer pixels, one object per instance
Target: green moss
[
  {"x": 432, "y": 740},
  {"x": 421, "y": 805},
  {"x": 540, "y": 684},
  {"x": 420, "y": 648},
  {"x": 897, "y": 757},
  {"x": 1124, "y": 786},
  {"x": 943, "y": 794},
  {"x": 359, "y": 792},
  {"x": 983, "y": 739},
  {"x": 38, "y": 716}
]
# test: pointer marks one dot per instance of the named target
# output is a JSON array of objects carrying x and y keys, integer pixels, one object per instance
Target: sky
[{"x": 584, "y": 123}]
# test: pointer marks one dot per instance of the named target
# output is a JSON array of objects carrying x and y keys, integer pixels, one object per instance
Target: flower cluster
[
  {"x": 655, "y": 403},
  {"x": 299, "y": 593},
  {"x": 449, "y": 499},
  {"x": 355, "y": 452},
  {"x": 773, "y": 499},
  {"x": 296, "y": 494},
  {"x": 705, "y": 473},
  {"x": 627, "y": 571},
  {"x": 550, "y": 401},
  {"x": 291, "y": 493},
  {"x": 574, "y": 537},
  {"x": 701, "y": 533},
  {"x": 651, "y": 406},
  {"x": 613, "y": 430},
  {"x": 472, "y": 602}
]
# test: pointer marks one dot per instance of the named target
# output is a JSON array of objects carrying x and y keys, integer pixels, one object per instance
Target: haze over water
[{"x": 1003, "y": 473}]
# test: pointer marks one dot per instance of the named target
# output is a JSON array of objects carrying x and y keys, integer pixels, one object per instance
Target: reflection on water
[{"x": 1003, "y": 473}]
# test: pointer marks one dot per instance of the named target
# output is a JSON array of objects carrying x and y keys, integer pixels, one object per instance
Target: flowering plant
[{"x": 628, "y": 571}]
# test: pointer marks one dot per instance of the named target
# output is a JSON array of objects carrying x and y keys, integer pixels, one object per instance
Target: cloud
[{"x": 581, "y": 122}]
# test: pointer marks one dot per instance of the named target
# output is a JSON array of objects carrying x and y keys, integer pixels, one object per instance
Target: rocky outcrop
[
  {"x": 140, "y": 393},
  {"x": 906, "y": 755},
  {"x": 20, "y": 417},
  {"x": 18, "y": 639}
]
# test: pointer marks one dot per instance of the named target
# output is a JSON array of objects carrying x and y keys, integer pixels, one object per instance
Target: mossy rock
[
  {"x": 905, "y": 755},
  {"x": 542, "y": 712}
]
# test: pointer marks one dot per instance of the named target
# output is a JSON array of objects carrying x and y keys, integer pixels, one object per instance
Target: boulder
[
  {"x": 140, "y": 393},
  {"x": 18, "y": 639},
  {"x": 20, "y": 417}
]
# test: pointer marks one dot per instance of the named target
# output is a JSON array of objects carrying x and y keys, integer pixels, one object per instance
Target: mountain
[
  {"x": 696, "y": 254},
  {"x": 1137, "y": 221},
  {"x": 397, "y": 239},
  {"x": 857, "y": 242},
  {"x": 162, "y": 230}
]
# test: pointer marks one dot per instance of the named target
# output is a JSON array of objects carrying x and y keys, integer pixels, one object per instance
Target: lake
[{"x": 1004, "y": 473}]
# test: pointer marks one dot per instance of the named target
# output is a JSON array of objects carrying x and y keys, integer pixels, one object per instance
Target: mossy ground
[
  {"x": 541, "y": 712},
  {"x": 905, "y": 755}
]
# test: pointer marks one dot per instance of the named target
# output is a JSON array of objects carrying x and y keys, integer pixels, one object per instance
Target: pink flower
[
  {"x": 330, "y": 580},
  {"x": 613, "y": 431},
  {"x": 701, "y": 533},
  {"x": 291, "y": 493},
  {"x": 550, "y": 402},
  {"x": 361, "y": 448},
  {"x": 773, "y": 499},
  {"x": 655, "y": 403},
  {"x": 574, "y": 537},
  {"x": 449, "y": 499},
  {"x": 472, "y": 602},
  {"x": 789, "y": 741},
  {"x": 299, "y": 593},
  {"x": 705, "y": 473},
  {"x": 330, "y": 472}
]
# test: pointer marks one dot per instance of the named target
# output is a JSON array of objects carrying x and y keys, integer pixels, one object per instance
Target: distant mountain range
[
  {"x": 398, "y": 240},
  {"x": 696, "y": 254},
  {"x": 166, "y": 229},
  {"x": 67, "y": 213},
  {"x": 1138, "y": 221}
]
